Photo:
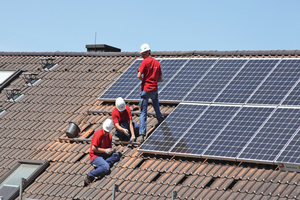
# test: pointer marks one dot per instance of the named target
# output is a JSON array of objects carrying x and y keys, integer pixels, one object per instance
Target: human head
[
  {"x": 120, "y": 104},
  {"x": 108, "y": 125},
  {"x": 145, "y": 49}
]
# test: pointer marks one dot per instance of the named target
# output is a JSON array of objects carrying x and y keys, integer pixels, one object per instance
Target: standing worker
[
  {"x": 150, "y": 74},
  {"x": 126, "y": 129},
  {"x": 102, "y": 155}
]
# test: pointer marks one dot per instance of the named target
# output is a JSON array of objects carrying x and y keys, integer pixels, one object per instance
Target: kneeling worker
[
  {"x": 122, "y": 118},
  {"x": 102, "y": 155}
]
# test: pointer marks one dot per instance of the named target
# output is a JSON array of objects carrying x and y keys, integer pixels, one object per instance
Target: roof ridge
[{"x": 158, "y": 53}]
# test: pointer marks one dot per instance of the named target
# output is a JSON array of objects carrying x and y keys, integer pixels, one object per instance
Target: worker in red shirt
[
  {"x": 102, "y": 155},
  {"x": 126, "y": 129},
  {"x": 150, "y": 74}
]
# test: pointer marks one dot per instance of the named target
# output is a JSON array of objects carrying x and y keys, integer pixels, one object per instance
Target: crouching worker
[
  {"x": 125, "y": 129},
  {"x": 102, "y": 155}
]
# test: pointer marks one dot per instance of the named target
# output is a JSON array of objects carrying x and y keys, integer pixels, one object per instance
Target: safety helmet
[
  {"x": 145, "y": 47},
  {"x": 108, "y": 125},
  {"x": 120, "y": 104}
]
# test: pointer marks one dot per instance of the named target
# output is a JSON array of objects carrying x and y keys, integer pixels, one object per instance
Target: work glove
[
  {"x": 109, "y": 151},
  {"x": 126, "y": 132},
  {"x": 132, "y": 138}
]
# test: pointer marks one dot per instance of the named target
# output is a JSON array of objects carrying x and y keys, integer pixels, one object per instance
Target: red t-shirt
[
  {"x": 124, "y": 116},
  {"x": 99, "y": 140},
  {"x": 150, "y": 68}
]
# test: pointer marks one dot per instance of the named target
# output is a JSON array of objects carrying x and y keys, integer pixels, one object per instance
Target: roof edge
[{"x": 161, "y": 53}]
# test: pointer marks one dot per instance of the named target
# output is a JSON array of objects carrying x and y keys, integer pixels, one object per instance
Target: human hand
[
  {"x": 126, "y": 132},
  {"x": 109, "y": 151},
  {"x": 132, "y": 138}
]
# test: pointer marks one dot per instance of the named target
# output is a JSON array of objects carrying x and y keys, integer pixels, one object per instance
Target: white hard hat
[
  {"x": 120, "y": 104},
  {"x": 145, "y": 47},
  {"x": 108, "y": 125}
]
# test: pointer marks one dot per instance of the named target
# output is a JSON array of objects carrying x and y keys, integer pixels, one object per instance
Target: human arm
[
  {"x": 103, "y": 150},
  {"x": 98, "y": 149},
  {"x": 132, "y": 138},
  {"x": 139, "y": 76},
  {"x": 121, "y": 129},
  {"x": 160, "y": 78}
]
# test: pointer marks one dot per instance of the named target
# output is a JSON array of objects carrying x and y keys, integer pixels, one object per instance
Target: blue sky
[{"x": 67, "y": 26}]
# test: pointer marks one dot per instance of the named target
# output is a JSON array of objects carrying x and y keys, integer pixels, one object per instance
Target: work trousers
[
  {"x": 103, "y": 164},
  {"x": 122, "y": 136},
  {"x": 145, "y": 96}
]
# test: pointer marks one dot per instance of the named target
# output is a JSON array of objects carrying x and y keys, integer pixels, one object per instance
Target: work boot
[
  {"x": 88, "y": 179},
  {"x": 140, "y": 139},
  {"x": 160, "y": 120}
]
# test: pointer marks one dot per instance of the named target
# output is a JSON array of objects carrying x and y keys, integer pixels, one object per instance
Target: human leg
[
  {"x": 102, "y": 167},
  {"x": 143, "y": 116},
  {"x": 136, "y": 128},
  {"x": 113, "y": 158},
  {"x": 154, "y": 97}
]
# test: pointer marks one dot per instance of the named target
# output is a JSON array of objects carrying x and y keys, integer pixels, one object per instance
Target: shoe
[
  {"x": 88, "y": 179},
  {"x": 140, "y": 139},
  {"x": 160, "y": 120}
]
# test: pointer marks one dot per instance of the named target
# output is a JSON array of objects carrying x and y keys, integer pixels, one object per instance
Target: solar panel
[
  {"x": 238, "y": 132},
  {"x": 278, "y": 84},
  {"x": 248, "y": 79},
  {"x": 294, "y": 97},
  {"x": 172, "y": 128},
  {"x": 169, "y": 67},
  {"x": 125, "y": 84},
  {"x": 202, "y": 133},
  {"x": 291, "y": 153},
  {"x": 273, "y": 136},
  {"x": 192, "y": 71},
  {"x": 215, "y": 80}
]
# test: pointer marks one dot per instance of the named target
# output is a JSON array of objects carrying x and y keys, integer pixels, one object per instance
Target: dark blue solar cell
[
  {"x": 125, "y": 84},
  {"x": 215, "y": 80},
  {"x": 205, "y": 130},
  {"x": 292, "y": 151},
  {"x": 169, "y": 68},
  {"x": 172, "y": 128},
  {"x": 278, "y": 84},
  {"x": 185, "y": 80},
  {"x": 238, "y": 132},
  {"x": 275, "y": 133},
  {"x": 247, "y": 80},
  {"x": 294, "y": 97}
]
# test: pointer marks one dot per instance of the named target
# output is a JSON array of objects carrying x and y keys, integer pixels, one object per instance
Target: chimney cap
[{"x": 101, "y": 48}]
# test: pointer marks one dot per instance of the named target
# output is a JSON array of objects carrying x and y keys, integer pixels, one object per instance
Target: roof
[{"x": 34, "y": 128}]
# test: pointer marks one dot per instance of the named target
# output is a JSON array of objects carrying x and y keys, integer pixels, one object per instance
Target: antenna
[{"x": 95, "y": 40}]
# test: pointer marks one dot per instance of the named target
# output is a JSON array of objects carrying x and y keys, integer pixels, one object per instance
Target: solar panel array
[
  {"x": 242, "y": 133},
  {"x": 225, "y": 80},
  {"x": 231, "y": 108}
]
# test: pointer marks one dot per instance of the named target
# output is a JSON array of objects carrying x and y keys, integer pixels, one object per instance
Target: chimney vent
[{"x": 101, "y": 48}]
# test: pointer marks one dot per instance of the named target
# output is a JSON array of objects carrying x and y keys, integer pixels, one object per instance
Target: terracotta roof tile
[
  {"x": 270, "y": 190},
  {"x": 263, "y": 189},
  {"x": 126, "y": 174},
  {"x": 295, "y": 192},
  {"x": 253, "y": 187},
  {"x": 281, "y": 191}
]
